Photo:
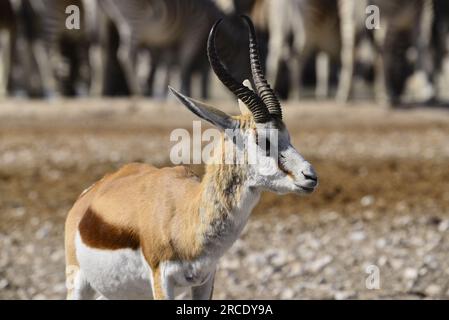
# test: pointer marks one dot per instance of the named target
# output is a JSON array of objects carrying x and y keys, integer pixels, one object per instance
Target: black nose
[{"x": 310, "y": 176}]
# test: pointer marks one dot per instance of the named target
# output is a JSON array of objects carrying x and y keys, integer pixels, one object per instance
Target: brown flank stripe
[{"x": 96, "y": 233}]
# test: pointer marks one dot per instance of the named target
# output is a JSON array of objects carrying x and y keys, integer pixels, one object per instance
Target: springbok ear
[
  {"x": 243, "y": 108},
  {"x": 206, "y": 112}
]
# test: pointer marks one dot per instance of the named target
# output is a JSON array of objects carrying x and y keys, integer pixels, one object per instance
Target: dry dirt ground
[{"x": 383, "y": 198}]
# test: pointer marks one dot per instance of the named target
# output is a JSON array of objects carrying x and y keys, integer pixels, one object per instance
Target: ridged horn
[
  {"x": 263, "y": 88},
  {"x": 249, "y": 97}
]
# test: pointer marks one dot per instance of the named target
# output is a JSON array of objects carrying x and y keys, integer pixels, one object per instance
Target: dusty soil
[{"x": 383, "y": 198}]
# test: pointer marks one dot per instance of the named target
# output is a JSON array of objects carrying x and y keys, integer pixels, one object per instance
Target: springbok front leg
[
  {"x": 163, "y": 286},
  {"x": 206, "y": 290},
  {"x": 78, "y": 288}
]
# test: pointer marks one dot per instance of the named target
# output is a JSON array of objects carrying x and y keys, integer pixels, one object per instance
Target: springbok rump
[{"x": 141, "y": 232}]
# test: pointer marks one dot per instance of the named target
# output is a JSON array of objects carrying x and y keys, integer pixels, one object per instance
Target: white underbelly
[
  {"x": 125, "y": 274},
  {"x": 115, "y": 274}
]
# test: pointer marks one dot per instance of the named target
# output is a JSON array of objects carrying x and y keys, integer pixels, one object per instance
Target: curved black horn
[
  {"x": 263, "y": 88},
  {"x": 249, "y": 97}
]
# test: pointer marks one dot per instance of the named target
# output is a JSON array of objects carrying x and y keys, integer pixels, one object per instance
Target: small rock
[
  {"x": 287, "y": 294},
  {"x": 367, "y": 201},
  {"x": 3, "y": 284},
  {"x": 422, "y": 271},
  {"x": 357, "y": 236},
  {"x": 317, "y": 265},
  {"x": 343, "y": 295},
  {"x": 329, "y": 216},
  {"x": 295, "y": 270},
  {"x": 396, "y": 264},
  {"x": 279, "y": 259},
  {"x": 256, "y": 259},
  {"x": 382, "y": 261},
  {"x": 433, "y": 290},
  {"x": 305, "y": 253},
  {"x": 443, "y": 226},
  {"x": 410, "y": 274},
  {"x": 402, "y": 221},
  {"x": 29, "y": 249},
  {"x": 44, "y": 231},
  {"x": 381, "y": 243},
  {"x": 330, "y": 272},
  {"x": 431, "y": 262},
  {"x": 369, "y": 215},
  {"x": 31, "y": 291},
  {"x": 57, "y": 256},
  {"x": 416, "y": 241},
  {"x": 33, "y": 195},
  {"x": 39, "y": 297},
  {"x": 19, "y": 212},
  {"x": 60, "y": 288}
]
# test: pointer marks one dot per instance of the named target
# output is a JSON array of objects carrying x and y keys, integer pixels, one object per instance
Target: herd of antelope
[{"x": 137, "y": 47}]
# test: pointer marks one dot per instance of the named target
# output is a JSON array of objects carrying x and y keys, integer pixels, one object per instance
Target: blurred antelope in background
[
  {"x": 141, "y": 231},
  {"x": 139, "y": 46},
  {"x": 440, "y": 45},
  {"x": 403, "y": 46},
  {"x": 300, "y": 29},
  {"x": 174, "y": 32},
  {"x": 68, "y": 59}
]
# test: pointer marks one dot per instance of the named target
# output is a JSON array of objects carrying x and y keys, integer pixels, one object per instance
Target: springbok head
[{"x": 278, "y": 166}]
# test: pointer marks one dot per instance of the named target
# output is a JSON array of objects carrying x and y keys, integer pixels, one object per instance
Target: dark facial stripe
[
  {"x": 96, "y": 233},
  {"x": 285, "y": 170}
]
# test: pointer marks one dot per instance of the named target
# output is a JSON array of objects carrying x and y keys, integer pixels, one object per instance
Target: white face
[{"x": 279, "y": 167}]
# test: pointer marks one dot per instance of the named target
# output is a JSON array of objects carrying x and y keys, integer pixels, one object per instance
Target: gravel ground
[{"x": 382, "y": 205}]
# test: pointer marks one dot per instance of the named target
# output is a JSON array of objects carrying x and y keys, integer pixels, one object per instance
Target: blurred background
[{"x": 365, "y": 87}]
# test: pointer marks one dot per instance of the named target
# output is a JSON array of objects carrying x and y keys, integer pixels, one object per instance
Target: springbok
[
  {"x": 402, "y": 51},
  {"x": 300, "y": 29},
  {"x": 55, "y": 45},
  {"x": 141, "y": 232},
  {"x": 175, "y": 33}
]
